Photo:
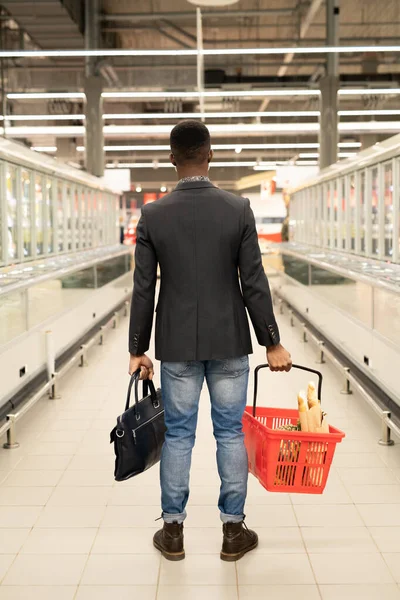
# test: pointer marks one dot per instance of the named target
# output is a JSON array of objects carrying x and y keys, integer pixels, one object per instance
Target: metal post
[
  {"x": 115, "y": 320},
  {"x": 328, "y": 135},
  {"x": 3, "y": 84},
  {"x": 200, "y": 60},
  {"x": 386, "y": 431},
  {"x": 346, "y": 391},
  {"x": 84, "y": 360},
  {"x": 50, "y": 354},
  {"x": 291, "y": 318},
  {"x": 280, "y": 303},
  {"x": 321, "y": 359},
  {"x": 54, "y": 395},
  {"x": 126, "y": 309},
  {"x": 11, "y": 442},
  {"x": 102, "y": 336},
  {"x": 305, "y": 339},
  {"x": 94, "y": 137}
]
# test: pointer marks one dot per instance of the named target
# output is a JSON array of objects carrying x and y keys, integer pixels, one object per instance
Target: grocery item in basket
[
  {"x": 312, "y": 397},
  {"x": 301, "y": 399}
]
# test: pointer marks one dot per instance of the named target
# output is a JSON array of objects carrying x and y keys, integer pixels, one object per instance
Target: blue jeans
[{"x": 181, "y": 385}]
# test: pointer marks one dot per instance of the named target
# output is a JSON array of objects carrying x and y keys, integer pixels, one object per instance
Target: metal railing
[
  {"x": 388, "y": 425},
  {"x": 51, "y": 386}
]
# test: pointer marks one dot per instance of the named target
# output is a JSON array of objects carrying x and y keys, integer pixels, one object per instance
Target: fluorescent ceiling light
[
  {"x": 370, "y": 126},
  {"x": 44, "y": 148},
  {"x": 213, "y": 128},
  {"x": 362, "y": 113},
  {"x": 368, "y": 91},
  {"x": 349, "y": 144},
  {"x": 60, "y": 130},
  {"x": 214, "y": 94},
  {"x": 165, "y": 147},
  {"x": 238, "y": 129},
  {"x": 194, "y": 52},
  {"x": 213, "y": 115},
  {"x": 42, "y": 117},
  {"x": 46, "y": 95},
  {"x": 316, "y": 154}
]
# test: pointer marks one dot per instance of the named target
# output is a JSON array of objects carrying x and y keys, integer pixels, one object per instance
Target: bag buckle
[
  {"x": 156, "y": 404},
  {"x": 137, "y": 416},
  {"x": 119, "y": 433}
]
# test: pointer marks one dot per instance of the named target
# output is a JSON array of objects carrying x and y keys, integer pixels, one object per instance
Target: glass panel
[
  {"x": 39, "y": 210},
  {"x": 322, "y": 200},
  {"x": 26, "y": 216},
  {"x": 342, "y": 206},
  {"x": 328, "y": 214},
  {"x": 295, "y": 268},
  {"x": 353, "y": 297},
  {"x": 100, "y": 219},
  {"x": 60, "y": 216},
  {"x": 11, "y": 215},
  {"x": 82, "y": 217},
  {"x": 352, "y": 216},
  {"x": 68, "y": 214},
  {"x": 387, "y": 314},
  {"x": 335, "y": 216},
  {"x": 89, "y": 221},
  {"x": 362, "y": 212},
  {"x": 12, "y": 316},
  {"x": 75, "y": 219},
  {"x": 388, "y": 182},
  {"x": 110, "y": 269},
  {"x": 50, "y": 216},
  {"x": 374, "y": 209},
  {"x": 57, "y": 295},
  {"x": 95, "y": 219}
]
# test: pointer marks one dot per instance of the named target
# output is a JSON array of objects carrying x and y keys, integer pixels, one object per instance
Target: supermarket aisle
[{"x": 69, "y": 531}]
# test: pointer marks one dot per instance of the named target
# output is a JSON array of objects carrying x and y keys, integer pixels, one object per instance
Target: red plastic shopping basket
[{"x": 287, "y": 461}]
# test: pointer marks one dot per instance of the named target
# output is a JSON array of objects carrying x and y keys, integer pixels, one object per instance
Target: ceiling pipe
[{"x": 192, "y": 14}]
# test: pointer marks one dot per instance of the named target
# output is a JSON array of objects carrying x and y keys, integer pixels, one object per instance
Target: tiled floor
[{"x": 69, "y": 531}]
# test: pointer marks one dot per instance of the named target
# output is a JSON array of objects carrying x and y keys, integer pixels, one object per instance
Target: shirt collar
[{"x": 194, "y": 178}]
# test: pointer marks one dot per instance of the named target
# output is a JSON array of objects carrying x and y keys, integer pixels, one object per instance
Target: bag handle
[
  {"x": 295, "y": 367},
  {"x": 148, "y": 385}
]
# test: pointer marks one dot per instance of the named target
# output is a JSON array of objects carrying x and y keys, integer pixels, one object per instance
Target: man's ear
[
  {"x": 210, "y": 155},
  {"x": 172, "y": 159}
]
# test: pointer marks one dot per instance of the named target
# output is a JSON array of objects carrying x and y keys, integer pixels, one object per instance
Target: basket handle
[{"x": 295, "y": 367}]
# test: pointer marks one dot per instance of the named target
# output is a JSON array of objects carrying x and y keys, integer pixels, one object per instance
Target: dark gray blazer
[{"x": 202, "y": 237}]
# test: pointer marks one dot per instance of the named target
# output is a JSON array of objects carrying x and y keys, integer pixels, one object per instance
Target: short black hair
[{"x": 190, "y": 142}]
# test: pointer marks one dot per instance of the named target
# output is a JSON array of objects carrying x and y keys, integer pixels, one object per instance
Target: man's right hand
[{"x": 279, "y": 358}]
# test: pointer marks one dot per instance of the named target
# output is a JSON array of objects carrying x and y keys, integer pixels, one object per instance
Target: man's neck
[{"x": 187, "y": 173}]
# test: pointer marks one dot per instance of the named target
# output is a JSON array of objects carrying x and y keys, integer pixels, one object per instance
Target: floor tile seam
[
  {"x": 237, "y": 579},
  {"x": 158, "y": 577},
  {"x": 86, "y": 562},
  {"x": 388, "y": 566}
]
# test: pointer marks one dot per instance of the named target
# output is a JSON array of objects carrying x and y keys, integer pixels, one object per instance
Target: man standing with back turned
[{"x": 202, "y": 237}]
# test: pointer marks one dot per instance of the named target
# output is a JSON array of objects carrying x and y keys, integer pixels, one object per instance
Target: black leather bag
[{"x": 139, "y": 434}]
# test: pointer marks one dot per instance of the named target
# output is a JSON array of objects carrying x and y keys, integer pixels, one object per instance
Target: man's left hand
[{"x": 144, "y": 364}]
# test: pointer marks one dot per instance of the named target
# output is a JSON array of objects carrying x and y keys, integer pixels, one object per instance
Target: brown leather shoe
[
  {"x": 169, "y": 541},
  {"x": 238, "y": 540}
]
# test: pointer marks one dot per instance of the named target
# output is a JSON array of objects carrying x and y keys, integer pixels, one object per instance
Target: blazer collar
[{"x": 188, "y": 185}]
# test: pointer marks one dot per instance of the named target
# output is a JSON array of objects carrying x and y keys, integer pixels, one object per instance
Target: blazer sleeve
[
  {"x": 254, "y": 282},
  {"x": 144, "y": 283}
]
